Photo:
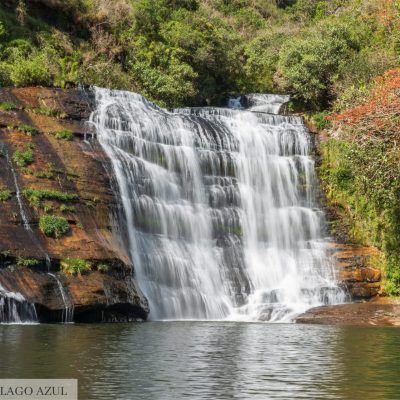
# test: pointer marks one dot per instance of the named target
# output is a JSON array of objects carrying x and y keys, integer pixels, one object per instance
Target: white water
[
  {"x": 14, "y": 308},
  {"x": 68, "y": 311},
  {"x": 219, "y": 209},
  {"x": 266, "y": 103}
]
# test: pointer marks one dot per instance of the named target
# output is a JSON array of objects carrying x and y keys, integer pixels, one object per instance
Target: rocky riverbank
[
  {"x": 47, "y": 168},
  {"x": 380, "y": 311}
]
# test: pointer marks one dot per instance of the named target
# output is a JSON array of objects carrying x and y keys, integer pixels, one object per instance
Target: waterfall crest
[{"x": 220, "y": 208}]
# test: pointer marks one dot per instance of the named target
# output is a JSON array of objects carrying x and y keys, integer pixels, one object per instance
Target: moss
[
  {"x": 75, "y": 266},
  {"x": 53, "y": 226}
]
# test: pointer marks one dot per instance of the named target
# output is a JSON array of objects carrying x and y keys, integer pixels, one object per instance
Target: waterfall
[
  {"x": 14, "y": 308},
  {"x": 220, "y": 208},
  {"x": 68, "y": 310}
]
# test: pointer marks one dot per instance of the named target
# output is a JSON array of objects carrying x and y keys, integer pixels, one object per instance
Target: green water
[{"x": 200, "y": 360}]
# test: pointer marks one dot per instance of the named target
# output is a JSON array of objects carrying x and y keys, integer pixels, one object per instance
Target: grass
[
  {"x": 5, "y": 195},
  {"x": 23, "y": 158},
  {"x": 53, "y": 226},
  {"x": 75, "y": 266}
]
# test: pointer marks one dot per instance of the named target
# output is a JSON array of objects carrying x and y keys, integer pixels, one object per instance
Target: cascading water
[
  {"x": 67, "y": 316},
  {"x": 220, "y": 209},
  {"x": 14, "y": 308}
]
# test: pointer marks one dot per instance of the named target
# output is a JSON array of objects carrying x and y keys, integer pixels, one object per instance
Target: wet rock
[
  {"x": 353, "y": 270},
  {"x": 75, "y": 166},
  {"x": 381, "y": 311}
]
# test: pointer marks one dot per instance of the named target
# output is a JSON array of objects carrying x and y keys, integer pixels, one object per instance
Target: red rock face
[
  {"x": 68, "y": 166},
  {"x": 354, "y": 270}
]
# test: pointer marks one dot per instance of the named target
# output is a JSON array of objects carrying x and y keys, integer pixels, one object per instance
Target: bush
[
  {"x": 53, "y": 226},
  {"x": 75, "y": 266},
  {"x": 33, "y": 70},
  {"x": 5, "y": 195},
  {"x": 23, "y": 158}
]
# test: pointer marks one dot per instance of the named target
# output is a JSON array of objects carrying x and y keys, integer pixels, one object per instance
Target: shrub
[
  {"x": 75, "y": 266},
  {"x": 32, "y": 70},
  {"x": 5, "y": 195},
  {"x": 23, "y": 158},
  {"x": 53, "y": 226},
  {"x": 5, "y": 72},
  {"x": 66, "y": 134},
  {"x": 27, "y": 262}
]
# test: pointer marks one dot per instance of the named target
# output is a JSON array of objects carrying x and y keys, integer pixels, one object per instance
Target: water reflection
[{"x": 208, "y": 360}]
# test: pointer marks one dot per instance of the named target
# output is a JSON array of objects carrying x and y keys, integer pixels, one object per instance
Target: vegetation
[
  {"x": 325, "y": 53},
  {"x": 23, "y": 158},
  {"x": 53, "y": 226},
  {"x": 66, "y": 134},
  {"x": 46, "y": 194},
  {"x": 5, "y": 195},
  {"x": 7, "y": 106},
  {"x": 29, "y": 130},
  {"x": 361, "y": 171},
  {"x": 75, "y": 266},
  {"x": 27, "y": 262},
  {"x": 103, "y": 267},
  {"x": 183, "y": 52}
]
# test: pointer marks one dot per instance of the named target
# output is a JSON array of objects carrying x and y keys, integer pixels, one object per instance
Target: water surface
[{"x": 206, "y": 360}]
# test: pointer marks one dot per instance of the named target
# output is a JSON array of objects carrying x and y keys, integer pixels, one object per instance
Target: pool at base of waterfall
[{"x": 207, "y": 360}]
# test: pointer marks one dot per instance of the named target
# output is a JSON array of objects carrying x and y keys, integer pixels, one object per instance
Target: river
[{"x": 208, "y": 360}]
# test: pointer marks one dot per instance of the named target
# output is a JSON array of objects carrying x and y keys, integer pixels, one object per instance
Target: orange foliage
[{"x": 380, "y": 113}]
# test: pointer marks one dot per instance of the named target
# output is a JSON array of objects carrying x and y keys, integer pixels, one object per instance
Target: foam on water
[{"x": 219, "y": 209}]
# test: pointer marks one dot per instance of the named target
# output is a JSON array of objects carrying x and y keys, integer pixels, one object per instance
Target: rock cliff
[{"x": 49, "y": 166}]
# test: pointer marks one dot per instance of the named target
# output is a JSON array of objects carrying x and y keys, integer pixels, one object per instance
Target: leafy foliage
[
  {"x": 75, "y": 266},
  {"x": 23, "y": 158},
  {"x": 27, "y": 262},
  {"x": 53, "y": 226},
  {"x": 5, "y": 195},
  {"x": 46, "y": 194},
  {"x": 361, "y": 171},
  {"x": 189, "y": 52}
]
